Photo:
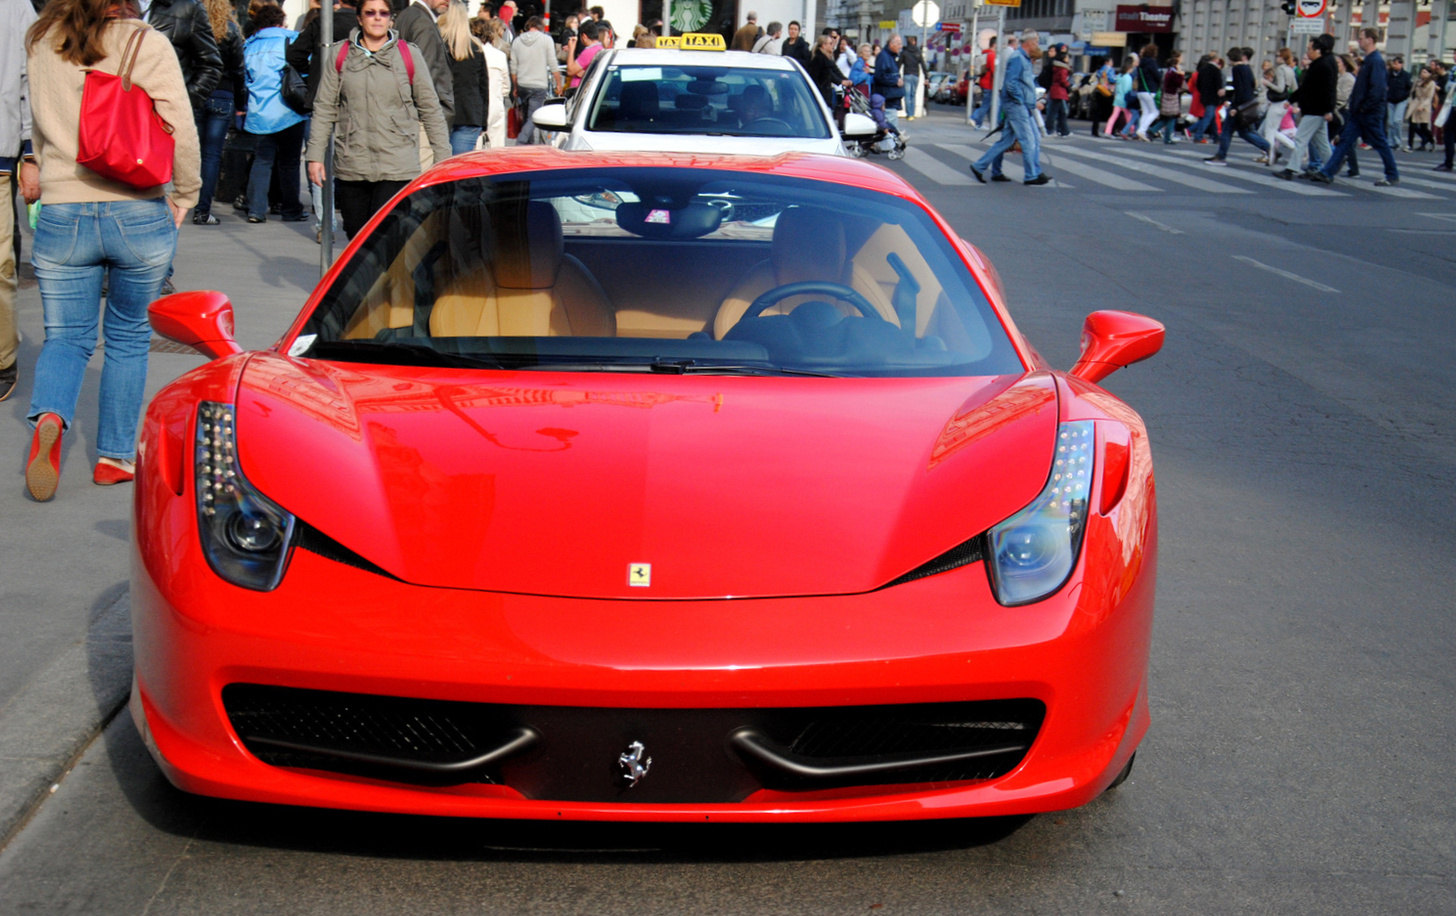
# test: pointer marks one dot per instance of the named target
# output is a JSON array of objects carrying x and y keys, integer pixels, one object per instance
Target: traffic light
[{"x": 1288, "y": 7}]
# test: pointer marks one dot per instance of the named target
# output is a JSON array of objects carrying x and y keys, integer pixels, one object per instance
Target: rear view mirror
[
  {"x": 201, "y": 319},
  {"x": 1112, "y": 340},
  {"x": 550, "y": 117}
]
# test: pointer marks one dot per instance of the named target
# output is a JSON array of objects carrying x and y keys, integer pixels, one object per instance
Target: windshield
[
  {"x": 714, "y": 100},
  {"x": 665, "y": 270}
]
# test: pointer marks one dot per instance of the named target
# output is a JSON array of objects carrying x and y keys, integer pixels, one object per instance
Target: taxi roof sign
[{"x": 693, "y": 41}]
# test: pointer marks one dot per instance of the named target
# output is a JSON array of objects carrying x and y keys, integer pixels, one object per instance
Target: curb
[{"x": 58, "y": 713}]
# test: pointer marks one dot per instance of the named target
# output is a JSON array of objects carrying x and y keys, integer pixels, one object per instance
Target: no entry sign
[{"x": 1311, "y": 9}]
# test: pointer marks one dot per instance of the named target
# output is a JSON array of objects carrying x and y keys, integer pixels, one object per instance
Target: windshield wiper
[
  {"x": 693, "y": 367},
  {"x": 396, "y": 353}
]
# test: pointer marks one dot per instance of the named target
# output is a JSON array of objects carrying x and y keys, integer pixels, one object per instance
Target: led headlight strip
[{"x": 245, "y": 535}]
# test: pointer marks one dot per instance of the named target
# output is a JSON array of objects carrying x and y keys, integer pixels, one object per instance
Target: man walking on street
[
  {"x": 795, "y": 46},
  {"x": 911, "y": 64},
  {"x": 1397, "y": 94},
  {"x": 984, "y": 82},
  {"x": 1367, "y": 116},
  {"x": 771, "y": 41},
  {"x": 16, "y": 17},
  {"x": 1315, "y": 98},
  {"x": 533, "y": 71},
  {"x": 745, "y": 38},
  {"x": 416, "y": 25},
  {"x": 1018, "y": 101},
  {"x": 1208, "y": 83},
  {"x": 1243, "y": 94}
]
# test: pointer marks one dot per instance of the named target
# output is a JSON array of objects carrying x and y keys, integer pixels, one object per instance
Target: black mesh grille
[
  {"x": 958, "y": 556},
  {"x": 313, "y": 540},
  {"x": 575, "y": 757}
]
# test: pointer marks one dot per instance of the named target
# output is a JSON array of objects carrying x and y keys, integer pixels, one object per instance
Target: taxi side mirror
[
  {"x": 550, "y": 117},
  {"x": 1112, "y": 340},
  {"x": 200, "y": 319},
  {"x": 858, "y": 126}
]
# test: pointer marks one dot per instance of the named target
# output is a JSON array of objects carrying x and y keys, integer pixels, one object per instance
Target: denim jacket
[{"x": 1018, "y": 84}]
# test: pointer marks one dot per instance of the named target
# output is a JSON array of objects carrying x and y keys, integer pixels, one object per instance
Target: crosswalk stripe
[
  {"x": 1014, "y": 170},
  {"x": 1261, "y": 177},
  {"x": 934, "y": 169},
  {"x": 1201, "y": 184},
  {"x": 1389, "y": 192},
  {"x": 1101, "y": 176}
]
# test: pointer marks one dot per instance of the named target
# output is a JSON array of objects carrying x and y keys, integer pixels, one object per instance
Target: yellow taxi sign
[{"x": 693, "y": 41}]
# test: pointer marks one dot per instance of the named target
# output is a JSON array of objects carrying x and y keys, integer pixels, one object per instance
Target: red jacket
[{"x": 1061, "y": 81}]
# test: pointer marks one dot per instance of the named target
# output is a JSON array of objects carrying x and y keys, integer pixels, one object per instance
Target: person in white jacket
[{"x": 498, "y": 84}]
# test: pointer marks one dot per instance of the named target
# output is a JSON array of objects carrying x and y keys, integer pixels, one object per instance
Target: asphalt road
[{"x": 1301, "y": 684}]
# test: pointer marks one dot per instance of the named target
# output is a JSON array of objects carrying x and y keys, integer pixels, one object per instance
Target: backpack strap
[
  {"x": 409, "y": 59},
  {"x": 343, "y": 53}
]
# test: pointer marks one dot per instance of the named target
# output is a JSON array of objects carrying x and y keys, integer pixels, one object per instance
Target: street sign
[
  {"x": 926, "y": 13},
  {"x": 1310, "y": 9},
  {"x": 1015, "y": 3},
  {"x": 1306, "y": 26}
]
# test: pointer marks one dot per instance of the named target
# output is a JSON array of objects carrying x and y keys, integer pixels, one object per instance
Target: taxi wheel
[
  {"x": 1126, "y": 772},
  {"x": 857, "y": 150}
]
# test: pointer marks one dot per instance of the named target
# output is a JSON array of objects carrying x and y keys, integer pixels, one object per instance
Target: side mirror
[
  {"x": 1112, "y": 340},
  {"x": 550, "y": 117},
  {"x": 202, "y": 320},
  {"x": 858, "y": 126}
]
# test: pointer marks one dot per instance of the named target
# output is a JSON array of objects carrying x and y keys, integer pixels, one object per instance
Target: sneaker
[
  {"x": 1321, "y": 178},
  {"x": 43, "y": 467},
  {"x": 1040, "y": 179},
  {"x": 1214, "y": 160},
  {"x": 979, "y": 177},
  {"x": 1261, "y": 160},
  {"x": 241, "y": 203},
  {"x": 204, "y": 218},
  {"x": 1352, "y": 174},
  {"x": 300, "y": 218},
  {"x": 1443, "y": 167},
  {"x": 8, "y": 377},
  {"x": 111, "y": 471},
  {"x": 999, "y": 178},
  {"x": 1286, "y": 174},
  {"x": 1387, "y": 183},
  {"x": 257, "y": 219}
]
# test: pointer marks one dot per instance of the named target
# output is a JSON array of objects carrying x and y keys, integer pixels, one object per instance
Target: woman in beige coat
[
  {"x": 1418, "y": 112},
  {"x": 94, "y": 229},
  {"x": 498, "y": 78},
  {"x": 372, "y": 106}
]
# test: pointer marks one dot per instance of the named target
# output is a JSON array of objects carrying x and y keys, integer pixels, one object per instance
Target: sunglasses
[{"x": 376, "y": 14}]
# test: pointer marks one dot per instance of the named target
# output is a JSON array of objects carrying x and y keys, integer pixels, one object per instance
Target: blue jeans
[
  {"x": 984, "y": 108},
  {"x": 1200, "y": 127},
  {"x": 462, "y": 139},
  {"x": 75, "y": 246},
  {"x": 283, "y": 148},
  {"x": 1019, "y": 127},
  {"x": 1367, "y": 125},
  {"x": 1395, "y": 119},
  {"x": 912, "y": 86},
  {"x": 213, "y": 119},
  {"x": 1227, "y": 137}
]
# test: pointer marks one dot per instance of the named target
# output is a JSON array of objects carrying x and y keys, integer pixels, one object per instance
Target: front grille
[{"x": 570, "y": 753}]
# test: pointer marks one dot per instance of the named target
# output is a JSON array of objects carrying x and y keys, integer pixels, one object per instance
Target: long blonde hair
[
  {"x": 455, "y": 29},
  {"x": 220, "y": 13}
]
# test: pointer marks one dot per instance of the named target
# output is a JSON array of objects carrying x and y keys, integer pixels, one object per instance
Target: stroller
[{"x": 888, "y": 139}]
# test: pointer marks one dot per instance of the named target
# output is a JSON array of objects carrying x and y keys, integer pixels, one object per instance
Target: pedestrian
[
  {"x": 1060, "y": 91},
  {"x": 579, "y": 58},
  {"x": 186, "y": 25},
  {"x": 468, "y": 76},
  {"x": 1237, "y": 121},
  {"x": 826, "y": 75},
  {"x": 507, "y": 17},
  {"x": 795, "y": 46},
  {"x": 887, "y": 80},
  {"x": 498, "y": 85},
  {"x": 217, "y": 114},
  {"x": 1279, "y": 84},
  {"x": 1445, "y": 83},
  {"x": 93, "y": 228},
  {"x": 860, "y": 77},
  {"x": 1345, "y": 66},
  {"x": 912, "y": 65},
  {"x": 370, "y": 89},
  {"x": 844, "y": 54},
  {"x": 985, "y": 81},
  {"x": 416, "y": 26},
  {"x": 746, "y": 37},
  {"x": 568, "y": 37},
  {"x": 1103, "y": 78},
  {"x": 1170, "y": 108},
  {"x": 1367, "y": 116},
  {"x": 1018, "y": 102},
  {"x": 1397, "y": 94},
  {"x": 277, "y": 128},
  {"x": 1208, "y": 92},
  {"x": 17, "y": 160},
  {"x": 1120, "y": 91},
  {"x": 1422, "y": 99},
  {"x": 1149, "y": 79},
  {"x": 771, "y": 41},
  {"x": 534, "y": 72},
  {"x": 1315, "y": 97}
]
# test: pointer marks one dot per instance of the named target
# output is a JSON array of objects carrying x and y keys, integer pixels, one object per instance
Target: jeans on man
[
  {"x": 1056, "y": 117},
  {"x": 983, "y": 108},
  {"x": 1204, "y": 121},
  {"x": 533, "y": 97},
  {"x": 1395, "y": 119},
  {"x": 283, "y": 148},
  {"x": 213, "y": 120},
  {"x": 131, "y": 244},
  {"x": 1230, "y": 127},
  {"x": 1019, "y": 127},
  {"x": 1370, "y": 126},
  {"x": 912, "y": 86},
  {"x": 463, "y": 138}
]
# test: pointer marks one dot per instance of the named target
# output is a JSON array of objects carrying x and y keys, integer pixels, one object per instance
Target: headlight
[
  {"x": 1033, "y": 551},
  {"x": 244, "y": 533}
]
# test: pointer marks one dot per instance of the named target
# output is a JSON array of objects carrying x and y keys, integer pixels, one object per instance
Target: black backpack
[{"x": 1044, "y": 78}]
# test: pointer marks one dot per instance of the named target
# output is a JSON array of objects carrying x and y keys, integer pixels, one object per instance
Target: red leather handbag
[{"x": 122, "y": 136}]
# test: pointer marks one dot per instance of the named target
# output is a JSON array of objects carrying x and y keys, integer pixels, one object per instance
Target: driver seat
[{"x": 808, "y": 244}]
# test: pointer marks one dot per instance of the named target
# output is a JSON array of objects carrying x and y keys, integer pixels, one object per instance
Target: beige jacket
[
  {"x": 55, "y": 105},
  {"x": 1423, "y": 97},
  {"x": 375, "y": 114}
]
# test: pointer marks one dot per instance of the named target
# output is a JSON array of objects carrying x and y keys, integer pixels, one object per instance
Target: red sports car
[{"x": 651, "y": 487}]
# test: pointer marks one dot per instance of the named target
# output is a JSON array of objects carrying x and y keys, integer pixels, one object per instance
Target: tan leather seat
[
  {"x": 527, "y": 287},
  {"x": 808, "y": 244}
]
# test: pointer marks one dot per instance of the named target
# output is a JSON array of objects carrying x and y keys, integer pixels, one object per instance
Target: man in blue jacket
[
  {"x": 1018, "y": 101},
  {"x": 1367, "y": 116}
]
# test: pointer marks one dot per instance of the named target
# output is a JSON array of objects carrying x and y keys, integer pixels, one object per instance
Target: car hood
[{"x": 556, "y": 483}]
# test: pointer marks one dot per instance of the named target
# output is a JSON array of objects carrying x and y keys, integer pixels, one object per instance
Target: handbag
[
  {"x": 1247, "y": 114},
  {"x": 294, "y": 90},
  {"x": 515, "y": 120},
  {"x": 121, "y": 135}
]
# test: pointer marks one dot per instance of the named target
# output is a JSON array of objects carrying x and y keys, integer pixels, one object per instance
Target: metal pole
[
  {"x": 326, "y": 218},
  {"x": 975, "y": 58},
  {"x": 1001, "y": 43},
  {"x": 666, "y": 18}
]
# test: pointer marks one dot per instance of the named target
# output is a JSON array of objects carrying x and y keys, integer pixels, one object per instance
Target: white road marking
[
  {"x": 1013, "y": 169},
  {"x": 1148, "y": 219},
  {"x": 1448, "y": 217},
  {"x": 1286, "y": 274},
  {"x": 1258, "y": 174},
  {"x": 1201, "y": 184},
  {"x": 934, "y": 169}
]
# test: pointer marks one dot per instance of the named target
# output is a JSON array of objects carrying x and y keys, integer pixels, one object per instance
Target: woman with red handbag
[{"x": 106, "y": 91}]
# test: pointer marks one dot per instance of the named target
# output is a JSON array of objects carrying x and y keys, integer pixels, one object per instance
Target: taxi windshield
[
  {"x": 712, "y": 100},
  {"x": 659, "y": 270}
]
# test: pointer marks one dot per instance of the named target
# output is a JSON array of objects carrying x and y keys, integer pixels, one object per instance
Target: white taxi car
[{"x": 675, "y": 99}]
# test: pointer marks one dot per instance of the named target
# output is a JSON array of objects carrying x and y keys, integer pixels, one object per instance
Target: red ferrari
[{"x": 646, "y": 487}]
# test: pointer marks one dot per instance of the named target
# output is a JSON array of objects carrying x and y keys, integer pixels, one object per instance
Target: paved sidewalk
[{"x": 65, "y": 657}]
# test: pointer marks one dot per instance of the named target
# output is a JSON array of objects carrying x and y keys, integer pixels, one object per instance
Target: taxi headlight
[
  {"x": 1034, "y": 551},
  {"x": 244, "y": 534}
]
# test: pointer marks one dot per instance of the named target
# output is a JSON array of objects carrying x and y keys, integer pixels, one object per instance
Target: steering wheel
[
  {"x": 806, "y": 287},
  {"x": 761, "y": 124}
]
